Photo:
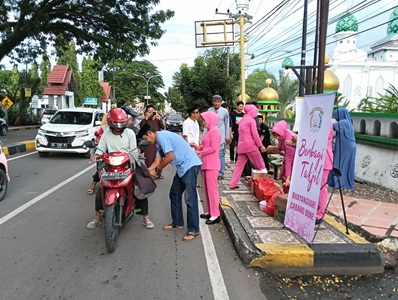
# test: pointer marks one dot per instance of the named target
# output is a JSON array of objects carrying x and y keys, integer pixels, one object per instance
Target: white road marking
[
  {"x": 215, "y": 274},
  {"x": 40, "y": 197},
  {"x": 22, "y": 155}
]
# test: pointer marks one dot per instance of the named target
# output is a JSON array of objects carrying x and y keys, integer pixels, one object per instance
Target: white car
[
  {"x": 47, "y": 114},
  {"x": 67, "y": 131}
]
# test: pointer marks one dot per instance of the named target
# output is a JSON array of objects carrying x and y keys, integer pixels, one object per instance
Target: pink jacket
[
  {"x": 281, "y": 128},
  {"x": 210, "y": 143},
  {"x": 329, "y": 150},
  {"x": 249, "y": 140}
]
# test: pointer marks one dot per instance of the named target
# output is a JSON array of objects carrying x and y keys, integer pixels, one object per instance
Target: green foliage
[
  {"x": 208, "y": 76},
  {"x": 174, "y": 96},
  {"x": 387, "y": 103},
  {"x": 127, "y": 85},
  {"x": 90, "y": 87},
  {"x": 105, "y": 29}
]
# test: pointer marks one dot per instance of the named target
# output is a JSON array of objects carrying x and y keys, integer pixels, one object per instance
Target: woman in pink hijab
[
  {"x": 282, "y": 132},
  {"x": 211, "y": 165},
  {"x": 248, "y": 144}
]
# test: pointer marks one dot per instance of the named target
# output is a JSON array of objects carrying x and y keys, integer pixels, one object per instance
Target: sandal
[
  {"x": 90, "y": 192},
  {"x": 190, "y": 236},
  {"x": 172, "y": 227},
  {"x": 94, "y": 223}
]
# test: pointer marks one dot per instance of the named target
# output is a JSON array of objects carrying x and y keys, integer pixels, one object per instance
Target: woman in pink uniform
[
  {"x": 248, "y": 144},
  {"x": 323, "y": 195},
  {"x": 211, "y": 166},
  {"x": 282, "y": 132}
]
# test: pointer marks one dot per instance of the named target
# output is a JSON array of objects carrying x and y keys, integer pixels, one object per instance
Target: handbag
[{"x": 144, "y": 185}]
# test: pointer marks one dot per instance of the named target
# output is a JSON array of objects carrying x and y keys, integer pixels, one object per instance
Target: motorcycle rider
[{"x": 119, "y": 139}]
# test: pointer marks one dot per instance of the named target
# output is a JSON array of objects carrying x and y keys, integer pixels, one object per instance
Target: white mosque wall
[
  {"x": 361, "y": 79},
  {"x": 377, "y": 164}
]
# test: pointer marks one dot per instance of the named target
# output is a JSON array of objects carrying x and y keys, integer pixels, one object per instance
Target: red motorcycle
[
  {"x": 117, "y": 195},
  {"x": 116, "y": 191}
]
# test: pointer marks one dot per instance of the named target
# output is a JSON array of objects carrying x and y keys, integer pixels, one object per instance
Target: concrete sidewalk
[{"x": 262, "y": 241}]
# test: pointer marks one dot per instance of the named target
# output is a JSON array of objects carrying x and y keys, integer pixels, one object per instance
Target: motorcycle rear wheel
[{"x": 111, "y": 229}]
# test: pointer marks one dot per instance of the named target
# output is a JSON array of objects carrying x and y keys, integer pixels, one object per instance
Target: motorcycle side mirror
[{"x": 89, "y": 144}]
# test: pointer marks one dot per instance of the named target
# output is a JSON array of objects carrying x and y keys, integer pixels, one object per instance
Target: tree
[
  {"x": 90, "y": 86},
  {"x": 174, "y": 96},
  {"x": 197, "y": 84},
  {"x": 387, "y": 103},
  {"x": 106, "y": 29},
  {"x": 45, "y": 69},
  {"x": 127, "y": 85}
]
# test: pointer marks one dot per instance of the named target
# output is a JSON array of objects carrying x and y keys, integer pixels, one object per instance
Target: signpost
[
  {"x": 90, "y": 101},
  {"x": 6, "y": 102}
]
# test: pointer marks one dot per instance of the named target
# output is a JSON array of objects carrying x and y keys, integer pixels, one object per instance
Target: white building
[{"x": 363, "y": 74}]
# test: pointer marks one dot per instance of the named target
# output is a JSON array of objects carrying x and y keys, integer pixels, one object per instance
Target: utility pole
[
  {"x": 241, "y": 18},
  {"x": 147, "y": 97},
  {"x": 303, "y": 47}
]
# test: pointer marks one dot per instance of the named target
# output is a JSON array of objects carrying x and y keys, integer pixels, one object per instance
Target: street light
[
  {"x": 284, "y": 51},
  {"x": 147, "y": 83}
]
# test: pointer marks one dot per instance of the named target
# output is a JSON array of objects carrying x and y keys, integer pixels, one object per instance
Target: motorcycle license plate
[
  {"x": 113, "y": 175},
  {"x": 59, "y": 145}
]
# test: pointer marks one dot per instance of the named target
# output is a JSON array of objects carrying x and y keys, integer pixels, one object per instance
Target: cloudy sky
[
  {"x": 177, "y": 46},
  {"x": 274, "y": 30}
]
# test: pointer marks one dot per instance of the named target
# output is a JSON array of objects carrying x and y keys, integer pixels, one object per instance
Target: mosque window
[
  {"x": 347, "y": 89},
  {"x": 369, "y": 92},
  {"x": 362, "y": 127},
  {"x": 393, "y": 130},
  {"x": 357, "y": 91},
  {"x": 376, "y": 128},
  {"x": 379, "y": 86}
]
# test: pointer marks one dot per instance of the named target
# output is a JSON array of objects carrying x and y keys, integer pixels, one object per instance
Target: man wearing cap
[
  {"x": 223, "y": 127},
  {"x": 190, "y": 127}
]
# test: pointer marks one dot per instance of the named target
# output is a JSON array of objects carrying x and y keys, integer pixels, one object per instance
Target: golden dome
[
  {"x": 268, "y": 93},
  {"x": 330, "y": 82},
  {"x": 247, "y": 98}
]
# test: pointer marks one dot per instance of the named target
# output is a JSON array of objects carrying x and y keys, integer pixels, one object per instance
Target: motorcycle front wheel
[{"x": 111, "y": 227}]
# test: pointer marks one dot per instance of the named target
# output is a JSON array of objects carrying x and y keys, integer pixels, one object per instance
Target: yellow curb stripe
[
  {"x": 284, "y": 255},
  {"x": 341, "y": 227},
  {"x": 5, "y": 150},
  {"x": 30, "y": 145},
  {"x": 225, "y": 204}
]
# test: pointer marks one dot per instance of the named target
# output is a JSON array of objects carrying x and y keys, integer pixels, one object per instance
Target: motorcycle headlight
[
  {"x": 116, "y": 160},
  {"x": 81, "y": 133}
]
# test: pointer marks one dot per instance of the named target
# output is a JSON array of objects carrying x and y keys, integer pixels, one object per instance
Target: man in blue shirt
[{"x": 174, "y": 150}]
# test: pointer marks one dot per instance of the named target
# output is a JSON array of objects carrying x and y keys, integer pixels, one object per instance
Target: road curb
[{"x": 21, "y": 147}]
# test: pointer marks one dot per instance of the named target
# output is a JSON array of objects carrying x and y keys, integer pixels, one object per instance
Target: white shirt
[{"x": 190, "y": 129}]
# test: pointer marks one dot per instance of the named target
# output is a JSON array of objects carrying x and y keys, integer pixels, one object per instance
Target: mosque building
[{"x": 362, "y": 74}]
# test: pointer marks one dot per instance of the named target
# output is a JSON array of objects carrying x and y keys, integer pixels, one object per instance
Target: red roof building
[{"x": 60, "y": 84}]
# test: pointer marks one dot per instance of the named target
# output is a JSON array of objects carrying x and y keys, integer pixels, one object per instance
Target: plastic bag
[{"x": 270, "y": 209}]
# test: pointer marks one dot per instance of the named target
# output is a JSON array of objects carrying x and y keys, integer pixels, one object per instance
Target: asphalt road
[
  {"x": 18, "y": 136},
  {"x": 46, "y": 252}
]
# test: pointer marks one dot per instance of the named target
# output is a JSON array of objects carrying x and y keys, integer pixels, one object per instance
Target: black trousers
[{"x": 234, "y": 143}]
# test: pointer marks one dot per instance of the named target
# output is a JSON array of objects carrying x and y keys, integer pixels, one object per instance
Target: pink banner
[{"x": 302, "y": 205}]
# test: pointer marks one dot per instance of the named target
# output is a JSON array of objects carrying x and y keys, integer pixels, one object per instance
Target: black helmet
[{"x": 130, "y": 111}]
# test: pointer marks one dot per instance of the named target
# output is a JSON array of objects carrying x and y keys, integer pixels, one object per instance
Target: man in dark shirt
[
  {"x": 265, "y": 138},
  {"x": 235, "y": 117}
]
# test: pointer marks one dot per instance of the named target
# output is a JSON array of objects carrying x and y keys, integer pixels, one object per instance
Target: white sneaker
[{"x": 148, "y": 224}]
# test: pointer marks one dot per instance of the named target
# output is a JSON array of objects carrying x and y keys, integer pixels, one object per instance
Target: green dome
[
  {"x": 287, "y": 62},
  {"x": 347, "y": 23},
  {"x": 393, "y": 24}
]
